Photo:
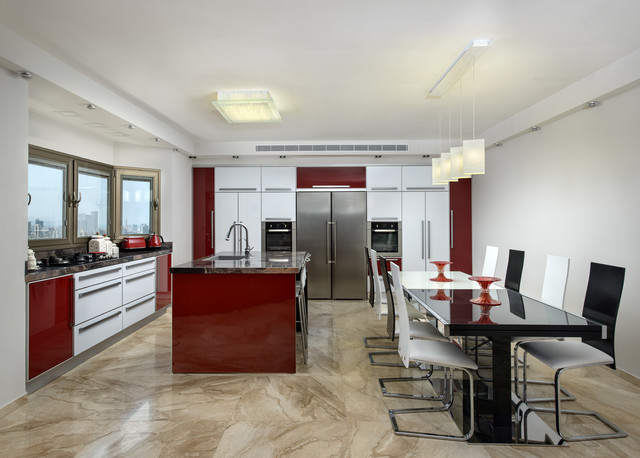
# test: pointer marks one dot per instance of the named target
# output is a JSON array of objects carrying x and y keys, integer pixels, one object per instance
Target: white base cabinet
[
  {"x": 94, "y": 331},
  {"x": 138, "y": 309}
]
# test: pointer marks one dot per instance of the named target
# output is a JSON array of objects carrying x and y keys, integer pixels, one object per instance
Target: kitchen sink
[{"x": 228, "y": 257}]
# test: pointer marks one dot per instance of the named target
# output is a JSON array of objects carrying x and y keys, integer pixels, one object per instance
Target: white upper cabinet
[
  {"x": 278, "y": 206},
  {"x": 418, "y": 178},
  {"x": 384, "y": 206},
  {"x": 278, "y": 179},
  {"x": 237, "y": 179},
  {"x": 384, "y": 178}
]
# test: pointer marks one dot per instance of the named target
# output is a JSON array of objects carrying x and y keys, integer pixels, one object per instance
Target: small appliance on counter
[
  {"x": 155, "y": 241},
  {"x": 133, "y": 243}
]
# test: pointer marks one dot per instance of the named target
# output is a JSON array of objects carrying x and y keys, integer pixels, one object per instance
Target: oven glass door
[
  {"x": 278, "y": 241},
  {"x": 384, "y": 240}
]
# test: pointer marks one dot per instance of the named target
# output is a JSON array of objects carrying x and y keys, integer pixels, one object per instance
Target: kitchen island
[{"x": 236, "y": 315}]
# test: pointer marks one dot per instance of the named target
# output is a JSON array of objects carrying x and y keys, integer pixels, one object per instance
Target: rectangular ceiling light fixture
[
  {"x": 470, "y": 53},
  {"x": 246, "y": 106}
]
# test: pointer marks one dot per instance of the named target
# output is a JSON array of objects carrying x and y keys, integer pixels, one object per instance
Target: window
[
  {"x": 71, "y": 199},
  {"x": 49, "y": 198},
  {"x": 93, "y": 208},
  {"x": 137, "y": 202}
]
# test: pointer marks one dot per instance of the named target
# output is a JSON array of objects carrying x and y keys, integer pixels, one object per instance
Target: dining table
[{"x": 516, "y": 316}]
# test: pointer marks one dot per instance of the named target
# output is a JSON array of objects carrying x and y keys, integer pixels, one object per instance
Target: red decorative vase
[
  {"x": 440, "y": 265},
  {"x": 485, "y": 298}
]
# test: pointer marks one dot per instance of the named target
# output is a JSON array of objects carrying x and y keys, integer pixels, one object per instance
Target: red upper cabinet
[
  {"x": 50, "y": 323},
  {"x": 460, "y": 206},
  {"x": 163, "y": 281},
  {"x": 203, "y": 212},
  {"x": 352, "y": 177}
]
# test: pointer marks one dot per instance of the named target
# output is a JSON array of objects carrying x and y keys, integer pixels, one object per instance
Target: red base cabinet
[
  {"x": 234, "y": 323},
  {"x": 50, "y": 323},
  {"x": 163, "y": 281},
  {"x": 203, "y": 212}
]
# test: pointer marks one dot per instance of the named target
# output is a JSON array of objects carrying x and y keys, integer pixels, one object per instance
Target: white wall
[
  {"x": 570, "y": 189},
  {"x": 13, "y": 208},
  {"x": 57, "y": 136},
  {"x": 175, "y": 192}
]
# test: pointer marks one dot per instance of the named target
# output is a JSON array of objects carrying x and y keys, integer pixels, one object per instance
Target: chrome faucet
[{"x": 247, "y": 248}]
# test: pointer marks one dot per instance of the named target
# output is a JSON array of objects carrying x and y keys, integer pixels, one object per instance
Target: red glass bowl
[{"x": 485, "y": 298}]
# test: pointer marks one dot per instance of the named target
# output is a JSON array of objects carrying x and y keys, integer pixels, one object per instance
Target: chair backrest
[
  {"x": 602, "y": 300},
  {"x": 373, "y": 261},
  {"x": 554, "y": 284},
  {"x": 404, "y": 340},
  {"x": 490, "y": 261},
  {"x": 391, "y": 309},
  {"x": 514, "y": 270},
  {"x": 370, "y": 275}
]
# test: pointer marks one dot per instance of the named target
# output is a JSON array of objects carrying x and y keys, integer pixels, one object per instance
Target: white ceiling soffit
[{"x": 336, "y": 70}]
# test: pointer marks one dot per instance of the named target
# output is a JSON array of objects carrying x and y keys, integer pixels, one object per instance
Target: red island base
[{"x": 234, "y": 323}]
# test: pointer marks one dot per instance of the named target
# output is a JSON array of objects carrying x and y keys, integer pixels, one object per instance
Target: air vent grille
[{"x": 373, "y": 148}]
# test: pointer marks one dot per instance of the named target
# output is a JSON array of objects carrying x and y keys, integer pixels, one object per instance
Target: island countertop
[{"x": 262, "y": 262}]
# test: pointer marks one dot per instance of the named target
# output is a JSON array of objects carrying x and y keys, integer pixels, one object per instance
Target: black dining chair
[
  {"x": 514, "y": 270},
  {"x": 370, "y": 276},
  {"x": 602, "y": 301}
]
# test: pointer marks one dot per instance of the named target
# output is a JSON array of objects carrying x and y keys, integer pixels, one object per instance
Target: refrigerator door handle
[
  {"x": 329, "y": 233},
  {"x": 422, "y": 238},
  {"x": 334, "y": 240},
  {"x": 451, "y": 229}
]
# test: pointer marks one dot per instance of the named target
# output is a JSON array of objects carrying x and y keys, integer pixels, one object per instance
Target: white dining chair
[
  {"x": 554, "y": 286},
  {"x": 490, "y": 261},
  {"x": 435, "y": 353}
]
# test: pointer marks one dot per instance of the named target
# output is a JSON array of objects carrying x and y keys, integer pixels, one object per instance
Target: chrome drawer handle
[
  {"x": 86, "y": 293},
  {"x": 84, "y": 277},
  {"x": 139, "y": 277},
  {"x": 132, "y": 306},
  {"x": 89, "y": 326}
]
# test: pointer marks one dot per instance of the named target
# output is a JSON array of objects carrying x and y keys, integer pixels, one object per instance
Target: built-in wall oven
[
  {"x": 385, "y": 237},
  {"x": 278, "y": 235}
]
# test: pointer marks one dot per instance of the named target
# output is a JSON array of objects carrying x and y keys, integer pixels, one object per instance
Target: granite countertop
[
  {"x": 271, "y": 262},
  {"x": 44, "y": 273}
]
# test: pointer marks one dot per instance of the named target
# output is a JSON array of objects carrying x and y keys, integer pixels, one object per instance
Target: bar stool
[{"x": 301, "y": 306}]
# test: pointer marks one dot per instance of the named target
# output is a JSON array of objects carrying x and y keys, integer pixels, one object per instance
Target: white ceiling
[{"x": 338, "y": 70}]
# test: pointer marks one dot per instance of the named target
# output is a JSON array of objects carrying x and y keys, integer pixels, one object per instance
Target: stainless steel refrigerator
[{"x": 332, "y": 227}]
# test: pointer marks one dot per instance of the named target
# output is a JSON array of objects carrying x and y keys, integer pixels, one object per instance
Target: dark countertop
[
  {"x": 44, "y": 273},
  {"x": 271, "y": 262}
]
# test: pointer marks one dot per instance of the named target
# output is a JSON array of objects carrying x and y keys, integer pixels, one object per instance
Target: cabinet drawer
[
  {"x": 95, "y": 276},
  {"x": 96, "y": 330},
  {"x": 96, "y": 300},
  {"x": 137, "y": 310},
  {"x": 136, "y": 286},
  {"x": 140, "y": 265}
]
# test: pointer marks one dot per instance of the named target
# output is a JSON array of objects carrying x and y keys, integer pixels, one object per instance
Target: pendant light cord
[{"x": 473, "y": 100}]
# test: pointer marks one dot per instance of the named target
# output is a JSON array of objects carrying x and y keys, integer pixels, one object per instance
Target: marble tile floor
[{"x": 126, "y": 402}]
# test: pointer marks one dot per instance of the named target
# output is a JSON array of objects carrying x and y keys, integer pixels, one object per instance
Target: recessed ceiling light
[
  {"x": 156, "y": 139},
  {"x": 246, "y": 106},
  {"x": 131, "y": 126},
  {"x": 69, "y": 114},
  {"x": 90, "y": 106},
  {"x": 25, "y": 74}
]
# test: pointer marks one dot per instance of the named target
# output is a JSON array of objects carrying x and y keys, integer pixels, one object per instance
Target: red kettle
[{"x": 155, "y": 241}]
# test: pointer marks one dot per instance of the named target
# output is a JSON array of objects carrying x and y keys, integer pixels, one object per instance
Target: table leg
[{"x": 501, "y": 352}]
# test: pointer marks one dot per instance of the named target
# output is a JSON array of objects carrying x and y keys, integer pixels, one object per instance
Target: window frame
[
  {"x": 73, "y": 164},
  {"x": 154, "y": 175}
]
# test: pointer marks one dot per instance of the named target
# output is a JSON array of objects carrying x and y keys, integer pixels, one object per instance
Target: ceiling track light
[
  {"x": 235, "y": 157},
  {"x": 90, "y": 106},
  {"x": 535, "y": 128},
  {"x": 593, "y": 103},
  {"x": 425, "y": 156},
  {"x": 24, "y": 74},
  {"x": 157, "y": 140},
  {"x": 131, "y": 126},
  {"x": 192, "y": 157},
  {"x": 283, "y": 157},
  {"x": 498, "y": 144},
  {"x": 377, "y": 156}
]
